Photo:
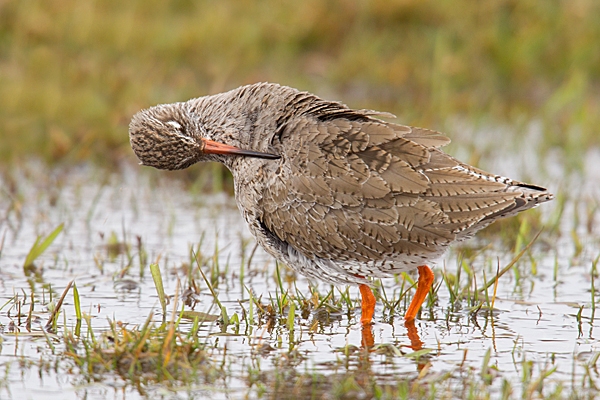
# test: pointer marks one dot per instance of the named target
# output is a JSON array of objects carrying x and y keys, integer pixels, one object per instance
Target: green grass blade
[
  {"x": 77, "y": 302},
  {"x": 291, "y": 316},
  {"x": 40, "y": 245},
  {"x": 215, "y": 297},
  {"x": 250, "y": 306},
  {"x": 160, "y": 289},
  {"x": 32, "y": 255}
]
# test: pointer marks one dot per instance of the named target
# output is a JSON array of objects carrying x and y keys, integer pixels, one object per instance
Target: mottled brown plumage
[{"x": 337, "y": 194}]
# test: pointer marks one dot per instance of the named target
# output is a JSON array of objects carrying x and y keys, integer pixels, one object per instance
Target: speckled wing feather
[{"x": 355, "y": 189}]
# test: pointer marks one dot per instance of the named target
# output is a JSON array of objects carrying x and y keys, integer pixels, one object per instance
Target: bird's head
[{"x": 168, "y": 136}]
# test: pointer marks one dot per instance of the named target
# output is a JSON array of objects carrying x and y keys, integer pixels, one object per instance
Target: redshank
[{"x": 337, "y": 194}]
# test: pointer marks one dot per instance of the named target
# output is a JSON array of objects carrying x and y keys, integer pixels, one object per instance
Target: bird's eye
[{"x": 174, "y": 124}]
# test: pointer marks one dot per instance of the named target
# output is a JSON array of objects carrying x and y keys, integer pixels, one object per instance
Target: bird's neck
[{"x": 243, "y": 117}]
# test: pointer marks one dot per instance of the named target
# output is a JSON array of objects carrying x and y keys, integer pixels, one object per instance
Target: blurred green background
[{"x": 73, "y": 72}]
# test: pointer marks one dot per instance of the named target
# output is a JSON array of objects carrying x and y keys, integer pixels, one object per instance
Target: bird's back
[{"x": 359, "y": 191}]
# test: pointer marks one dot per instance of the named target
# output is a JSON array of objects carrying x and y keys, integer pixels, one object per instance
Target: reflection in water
[
  {"x": 368, "y": 344},
  {"x": 367, "y": 340},
  {"x": 415, "y": 340}
]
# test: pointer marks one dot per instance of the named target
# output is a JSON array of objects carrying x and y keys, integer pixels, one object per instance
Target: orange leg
[
  {"x": 425, "y": 282},
  {"x": 368, "y": 304}
]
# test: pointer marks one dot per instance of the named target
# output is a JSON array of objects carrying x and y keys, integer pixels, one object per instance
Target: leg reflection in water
[
  {"x": 367, "y": 340},
  {"x": 368, "y": 343}
]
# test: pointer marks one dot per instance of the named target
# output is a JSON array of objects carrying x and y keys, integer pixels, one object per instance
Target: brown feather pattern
[{"x": 351, "y": 196}]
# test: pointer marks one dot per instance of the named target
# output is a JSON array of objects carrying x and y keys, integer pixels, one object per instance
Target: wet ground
[{"x": 539, "y": 338}]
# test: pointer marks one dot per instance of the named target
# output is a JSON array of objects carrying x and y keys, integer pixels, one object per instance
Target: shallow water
[{"x": 542, "y": 321}]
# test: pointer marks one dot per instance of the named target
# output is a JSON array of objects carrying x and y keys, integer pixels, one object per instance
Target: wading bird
[{"x": 337, "y": 194}]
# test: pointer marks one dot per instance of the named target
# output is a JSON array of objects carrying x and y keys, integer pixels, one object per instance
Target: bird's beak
[{"x": 212, "y": 147}]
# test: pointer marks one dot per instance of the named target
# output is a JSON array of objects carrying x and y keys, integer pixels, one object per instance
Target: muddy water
[{"x": 544, "y": 320}]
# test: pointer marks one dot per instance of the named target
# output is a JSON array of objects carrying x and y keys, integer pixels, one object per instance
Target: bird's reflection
[
  {"x": 411, "y": 331},
  {"x": 367, "y": 340}
]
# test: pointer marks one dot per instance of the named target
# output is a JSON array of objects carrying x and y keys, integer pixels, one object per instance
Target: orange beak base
[{"x": 212, "y": 147}]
